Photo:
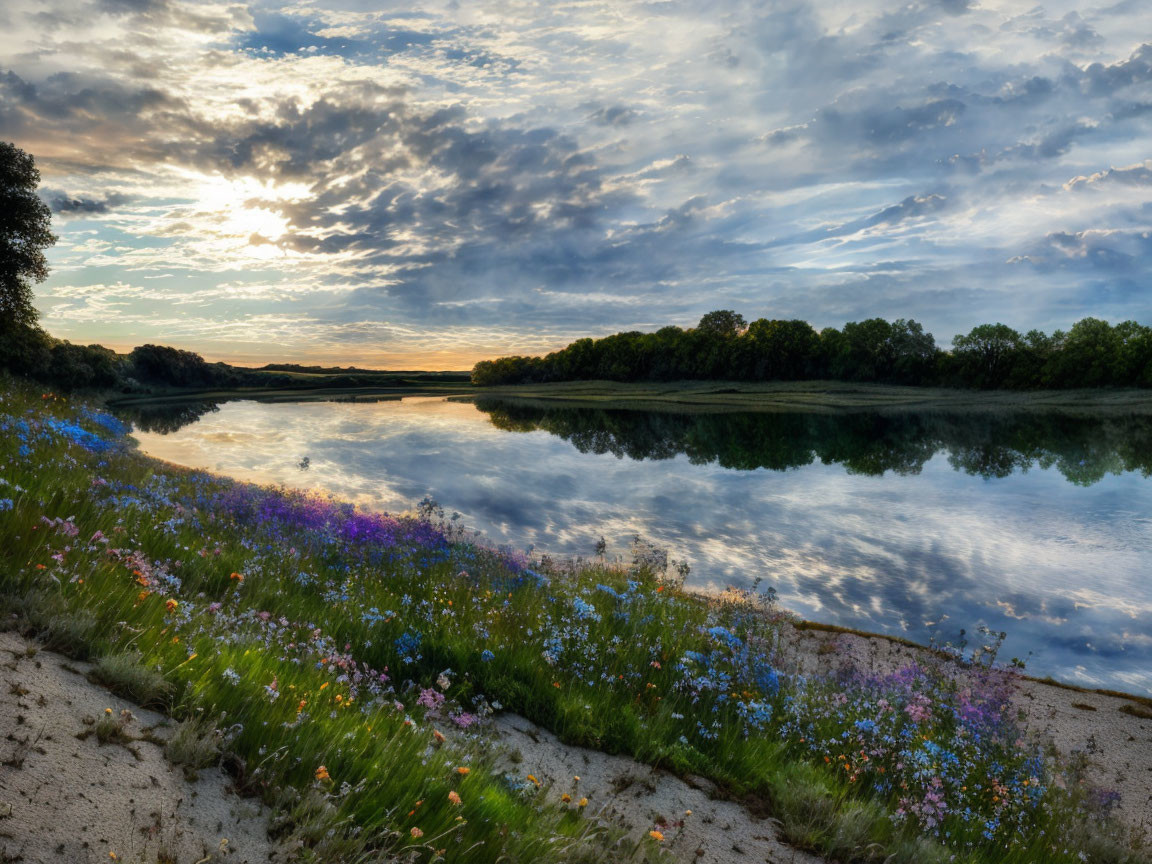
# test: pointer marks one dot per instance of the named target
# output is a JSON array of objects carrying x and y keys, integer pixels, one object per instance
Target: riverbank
[
  {"x": 53, "y": 758},
  {"x": 684, "y": 396},
  {"x": 810, "y": 396},
  {"x": 339, "y": 645}
]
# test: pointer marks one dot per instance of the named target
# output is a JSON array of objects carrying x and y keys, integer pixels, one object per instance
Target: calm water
[{"x": 1037, "y": 525}]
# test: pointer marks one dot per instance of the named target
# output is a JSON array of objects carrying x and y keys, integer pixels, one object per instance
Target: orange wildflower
[
  {"x": 416, "y": 832},
  {"x": 583, "y": 802},
  {"x": 439, "y": 736},
  {"x": 566, "y": 798},
  {"x": 463, "y": 771},
  {"x": 171, "y": 605},
  {"x": 453, "y": 797},
  {"x": 657, "y": 836},
  {"x": 322, "y": 773},
  {"x": 239, "y": 577}
]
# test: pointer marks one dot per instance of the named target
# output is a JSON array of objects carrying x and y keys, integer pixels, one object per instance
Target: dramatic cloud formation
[{"x": 426, "y": 184}]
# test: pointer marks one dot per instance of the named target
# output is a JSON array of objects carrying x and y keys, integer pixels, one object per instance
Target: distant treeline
[
  {"x": 29, "y": 351},
  {"x": 33, "y": 353},
  {"x": 723, "y": 347}
]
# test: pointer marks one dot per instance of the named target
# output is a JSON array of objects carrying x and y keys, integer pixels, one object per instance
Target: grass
[
  {"x": 1137, "y": 709},
  {"x": 342, "y": 665},
  {"x": 127, "y": 676},
  {"x": 194, "y": 745},
  {"x": 800, "y": 396}
]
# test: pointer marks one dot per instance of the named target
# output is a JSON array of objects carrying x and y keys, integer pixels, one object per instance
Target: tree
[
  {"x": 784, "y": 350},
  {"x": 986, "y": 353},
  {"x": 723, "y": 322},
  {"x": 24, "y": 235},
  {"x": 866, "y": 352},
  {"x": 915, "y": 352}
]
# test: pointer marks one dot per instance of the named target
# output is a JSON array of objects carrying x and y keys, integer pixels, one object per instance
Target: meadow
[{"x": 344, "y": 664}]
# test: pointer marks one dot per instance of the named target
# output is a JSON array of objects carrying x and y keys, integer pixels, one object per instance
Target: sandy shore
[{"x": 66, "y": 797}]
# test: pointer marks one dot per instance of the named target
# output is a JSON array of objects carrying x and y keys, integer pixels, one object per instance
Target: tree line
[{"x": 724, "y": 347}]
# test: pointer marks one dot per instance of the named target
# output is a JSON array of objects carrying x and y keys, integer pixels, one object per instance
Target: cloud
[
  {"x": 1139, "y": 174},
  {"x": 61, "y": 202},
  {"x": 543, "y": 175}
]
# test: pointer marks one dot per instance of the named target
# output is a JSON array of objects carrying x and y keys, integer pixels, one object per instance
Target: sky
[{"x": 428, "y": 184}]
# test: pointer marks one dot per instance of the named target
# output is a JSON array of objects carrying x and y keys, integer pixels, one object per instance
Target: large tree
[
  {"x": 723, "y": 322},
  {"x": 24, "y": 235}
]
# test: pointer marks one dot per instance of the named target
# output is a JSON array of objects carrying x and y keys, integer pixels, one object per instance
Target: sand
[{"x": 66, "y": 799}]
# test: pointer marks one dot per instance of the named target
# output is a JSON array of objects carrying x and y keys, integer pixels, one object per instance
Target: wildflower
[
  {"x": 532, "y": 779},
  {"x": 463, "y": 771},
  {"x": 453, "y": 797},
  {"x": 439, "y": 736},
  {"x": 415, "y": 832},
  {"x": 322, "y": 774},
  {"x": 687, "y": 812},
  {"x": 239, "y": 577},
  {"x": 657, "y": 836},
  {"x": 170, "y": 605},
  {"x": 566, "y": 798},
  {"x": 583, "y": 802}
]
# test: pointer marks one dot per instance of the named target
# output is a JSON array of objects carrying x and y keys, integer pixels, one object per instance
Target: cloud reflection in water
[{"x": 883, "y": 523}]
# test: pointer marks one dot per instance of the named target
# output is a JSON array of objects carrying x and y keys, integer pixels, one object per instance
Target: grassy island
[{"x": 346, "y": 664}]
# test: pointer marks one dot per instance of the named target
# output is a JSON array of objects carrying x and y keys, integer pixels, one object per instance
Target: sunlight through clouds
[{"x": 541, "y": 171}]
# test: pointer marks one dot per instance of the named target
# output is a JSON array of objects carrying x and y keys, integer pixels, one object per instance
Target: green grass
[{"x": 800, "y": 396}]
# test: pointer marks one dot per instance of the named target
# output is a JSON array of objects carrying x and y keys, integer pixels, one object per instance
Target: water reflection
[
  {"x": 165, "y": 417},
  {"x": 911, "y": 524},
  {"x": 1084, "y": 449}
]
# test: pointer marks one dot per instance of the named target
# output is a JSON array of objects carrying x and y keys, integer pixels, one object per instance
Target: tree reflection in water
[{"x": 1083, "y": 448}]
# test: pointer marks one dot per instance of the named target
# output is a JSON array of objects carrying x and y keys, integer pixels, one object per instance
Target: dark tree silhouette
[
  {"x": 24, "y": 235},
  {"x": 722, "y": 322},
  {"x": 1093, "y": 353}
]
